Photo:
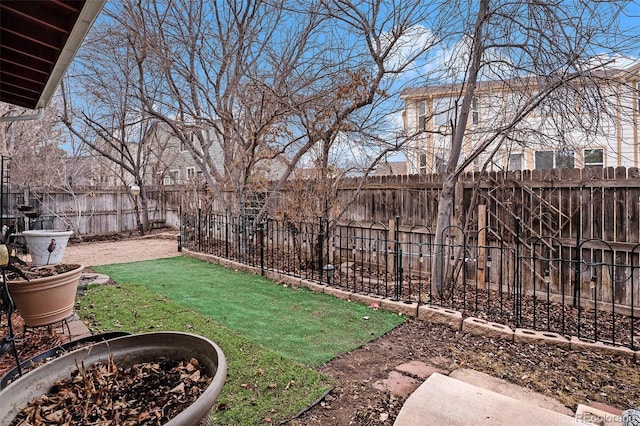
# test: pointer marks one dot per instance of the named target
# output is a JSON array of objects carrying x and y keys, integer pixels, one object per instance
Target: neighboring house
[
  {"x": 387, "y": 168},
  {"x": 168, "y": 161},
  {"x": 90, "y": 170},
  {"x": 595, "y": 134}
]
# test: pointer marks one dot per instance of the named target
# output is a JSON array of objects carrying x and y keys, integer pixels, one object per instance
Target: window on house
[
  {"x": 555, "y": 159},
  {"x": 593, "y": 157},
  {"x": 444, "y": 110},
  {"x": 565, "y": 159},
  {"x": 423, "y": 163},
  {"x": 475, "y": 113},
  {"x": 192, "y": 138},
  {"x": 172, "y": 177},
  {"x": 544, "y": 159},
  {"x": 516, "y": 161},
  {"x": 439, "y": 162},
  {"x": 191, "y": 173},
  {"x": 422, "y": 115}
]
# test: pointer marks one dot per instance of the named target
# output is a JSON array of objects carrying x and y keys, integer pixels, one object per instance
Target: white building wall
[{"x": 616, "y": 132}]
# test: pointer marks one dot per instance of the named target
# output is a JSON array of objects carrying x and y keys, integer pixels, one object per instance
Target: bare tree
[
  {"x": 251, "y": 88},
  {"x": 102, "y": 109},
  {"x": 44, "y": 161},
  {"x": 540, "y": 52},
  {"x": 35, "y": 148},
  {"x": 348, "y": 120}
]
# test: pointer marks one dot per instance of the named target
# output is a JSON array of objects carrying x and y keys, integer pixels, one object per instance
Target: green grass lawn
[
  {"x": 267, "y": 332},
  {"x": 295, "y": 322}
]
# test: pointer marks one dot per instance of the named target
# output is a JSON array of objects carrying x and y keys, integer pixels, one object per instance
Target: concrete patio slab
[
  {"x": 445, "y": 401},
  {"x": 503, "y": 387}
]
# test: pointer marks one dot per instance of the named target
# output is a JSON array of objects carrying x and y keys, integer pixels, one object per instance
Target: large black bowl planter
[
  {"x": 58, "y": 351},
  {"x": 126, "y": 351}
]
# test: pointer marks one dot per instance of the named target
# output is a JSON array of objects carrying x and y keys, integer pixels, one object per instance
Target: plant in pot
[
  {"x": 46, "y": 246},
  {"x": 103, "y": 370},
  {"x": 43, "y": 292}
]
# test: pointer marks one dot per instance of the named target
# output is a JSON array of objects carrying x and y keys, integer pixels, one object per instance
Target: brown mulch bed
[
  {"x": 572, "y": 377},
  {"x": 29, "y": 342}
]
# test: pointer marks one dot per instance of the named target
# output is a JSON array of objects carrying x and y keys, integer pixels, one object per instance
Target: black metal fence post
[
  {"x": 577, "y": 278},
  {"x": 577, "y": 260},
  {"x": 261, "y": 243},
  {"x": 226, "y": 234},
  {"x": 517, "y": 296},
  {"x": 320, "y": 248},
  {"x": 180, "y": 232},
  {"x": 397, "y": 288},
  {"x": 199, "y": 229}
]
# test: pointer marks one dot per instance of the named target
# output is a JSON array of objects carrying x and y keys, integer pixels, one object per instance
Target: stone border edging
[{"x": 427, "y": 313}]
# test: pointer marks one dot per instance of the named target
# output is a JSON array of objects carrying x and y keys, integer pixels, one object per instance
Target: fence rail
[{"x": 588, "y": 289}]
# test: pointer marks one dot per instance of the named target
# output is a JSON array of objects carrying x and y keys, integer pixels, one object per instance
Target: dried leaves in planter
[
  {"x": 106, "y": 394},
  {"x": 33, "y": 272}
]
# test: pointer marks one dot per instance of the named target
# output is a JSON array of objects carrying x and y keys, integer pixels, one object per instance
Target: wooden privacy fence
[
  {"x": 589, "y": 290},
  {"x": 569, "y": 204},
  {"x": 91, "y": 210}
]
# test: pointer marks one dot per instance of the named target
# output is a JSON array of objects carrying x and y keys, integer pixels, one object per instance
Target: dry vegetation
[{"x": 572, "y": 377}]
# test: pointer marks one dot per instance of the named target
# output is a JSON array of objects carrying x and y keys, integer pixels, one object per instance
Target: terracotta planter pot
[
  {"x": 126, "y": 351},
  {"x": 46, "y": 246},
  {"x": 46, "y": 300}
]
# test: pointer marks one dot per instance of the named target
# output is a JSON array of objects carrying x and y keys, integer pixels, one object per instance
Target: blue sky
[{"x": 630, "y": 23}]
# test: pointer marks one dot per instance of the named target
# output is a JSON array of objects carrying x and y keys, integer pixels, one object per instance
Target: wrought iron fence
[{"x": 588, "y": 289}]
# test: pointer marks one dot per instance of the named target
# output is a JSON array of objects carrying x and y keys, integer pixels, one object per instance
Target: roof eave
[{"x": 88, "y": 15}]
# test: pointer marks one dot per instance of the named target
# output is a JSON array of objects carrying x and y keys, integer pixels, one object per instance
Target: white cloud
[
  {"x": 612, "y": 61},
  {"x": 415, "y": 40}
]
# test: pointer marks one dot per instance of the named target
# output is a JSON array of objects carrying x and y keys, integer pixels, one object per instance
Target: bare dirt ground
[
  {"x": 155, "y": 246},
  {"x": 571, "y": 377}
]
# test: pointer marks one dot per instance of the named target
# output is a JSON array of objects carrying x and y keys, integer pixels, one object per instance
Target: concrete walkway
[
  {"x": 440, "y": 397},
  {"x": 468, "y": 397}
]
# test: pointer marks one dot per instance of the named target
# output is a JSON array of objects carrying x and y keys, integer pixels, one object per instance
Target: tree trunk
[
  {"x": 443, "y": 221},
  {"x": 445, "y": 203}
]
